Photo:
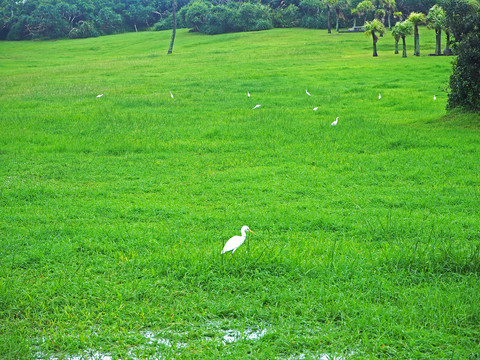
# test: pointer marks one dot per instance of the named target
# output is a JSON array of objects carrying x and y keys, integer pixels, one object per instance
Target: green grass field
[{"x": 114, "y": 210}]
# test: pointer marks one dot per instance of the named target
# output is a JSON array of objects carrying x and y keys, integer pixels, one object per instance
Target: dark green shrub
[
  {"x": 286, "y": 17},
  {"x": 465, "y": 78}
]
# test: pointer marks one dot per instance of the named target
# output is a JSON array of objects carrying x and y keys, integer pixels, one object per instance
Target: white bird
[
  {"x": 256, "y": 107},
  {"x": 248, "y": 94},
  {"x": 379, "y": 96},
  {"x": 335, "y": 122},
  {"x": 234, "y": 242},
  {"x": 307, "y": 92},
  {"x": 98, "y": 96},
  {"x": 171, "y": 95},
  {"x": 434, "y": 97},
  {"x": 315, "y": 108}
]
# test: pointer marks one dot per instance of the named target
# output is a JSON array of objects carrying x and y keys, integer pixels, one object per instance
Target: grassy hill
[{"x": 114, "y": 209}]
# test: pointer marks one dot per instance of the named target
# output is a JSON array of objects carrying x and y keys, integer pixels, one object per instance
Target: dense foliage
[
  {"x": 50, "y": 19},
  {"x": 463, "y": 20}
]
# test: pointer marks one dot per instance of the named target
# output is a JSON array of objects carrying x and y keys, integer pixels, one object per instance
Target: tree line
[{"x": 51, "y": 19}]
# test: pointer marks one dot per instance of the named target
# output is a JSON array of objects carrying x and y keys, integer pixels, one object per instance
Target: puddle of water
[
  {"x": 229, "y": 336},
  {"x": 248, "y": 334},
  {"x": 87, "y": 355},
  {"x": 324, "y": 356}
]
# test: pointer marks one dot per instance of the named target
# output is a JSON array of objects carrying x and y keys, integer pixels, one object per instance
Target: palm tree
[
  {"x": 416, "y": 19},
  {"x": 436, "y": 20},
  {"x": 402, "y": 29},
  {"x": 340, "y": 6},
  {"x": 396, "y": 35},
  {"x": 390, "y": 6},
  {"x": 364, "y": 8},
  {"x": 355, "y": 14},
  {"x": 371, "y": 29}
]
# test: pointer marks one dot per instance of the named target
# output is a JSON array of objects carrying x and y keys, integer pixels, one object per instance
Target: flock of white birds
[
  {"x": 306, "y": 91},
  {"x": 236, "y": 241}
]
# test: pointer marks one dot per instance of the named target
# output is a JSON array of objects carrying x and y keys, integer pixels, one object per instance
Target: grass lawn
[{"x": 114, "y": 209}]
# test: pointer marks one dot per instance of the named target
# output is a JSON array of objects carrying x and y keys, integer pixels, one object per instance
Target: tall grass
[{"x": 114, "y": 210}]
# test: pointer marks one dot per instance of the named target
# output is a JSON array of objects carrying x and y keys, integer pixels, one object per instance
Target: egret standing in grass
[
  {"x": 256, "y": 107},
  {"x": 99, "y": 96},
  {"x": 235, "y": 242},
  {"x": 315, "y": 108},
  {"x": 434, "y": 97},
  {"x": 248, "y": 93},
  {"x": 379, "y": 96},
  {"x": 306, "y": 91},
  {"x": 171, "y": 95},
  {"x": 335, "y": 122}
]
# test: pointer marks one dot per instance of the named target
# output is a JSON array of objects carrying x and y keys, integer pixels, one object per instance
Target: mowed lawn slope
[{"x": 114, "y": 210}]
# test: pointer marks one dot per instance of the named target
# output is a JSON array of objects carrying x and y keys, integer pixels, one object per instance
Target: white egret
[
  {"x": 315, "y": 108},
  {"x": 98, "y": 96},
  {"x": 256, "y": 107},
  {"x": 307, "y": 92},
  {"x": 434, "y": 97},
  {"x": 248, "y": 94},
  {"x": 335, "y": 122},
  {"x": 234, "y": 242},
  {"x": 171, "y": 95},
  {"x": 379, "y": 96}
]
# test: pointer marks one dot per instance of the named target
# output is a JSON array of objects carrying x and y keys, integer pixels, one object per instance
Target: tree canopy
[{"x": 49, "y": 19}]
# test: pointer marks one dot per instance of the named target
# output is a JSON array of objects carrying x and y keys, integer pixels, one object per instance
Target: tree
[
  {"x": 355, "y": 14},
  {"x": 174, "y": 29},
  {"x": 463, "y": 19},
  {"x": 339, "y": 8},
  {"x": 390, "y": 6},
  {"x": 436, "y": 20},
  {"x": 396, "y": 35},
  {"x": 364, "y": 8},
  {"x": 330, "y": 4},
  {"x": 138, "y": 14},
  {"x": 402, "y": 29},
  {"x": 416, "y": 19},
  {"x": 371, "y": 29}
]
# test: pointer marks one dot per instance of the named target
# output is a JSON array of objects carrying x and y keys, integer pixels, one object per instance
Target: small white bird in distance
[
  {"x": 315, "y": 108},
  {"x": 171, "y": 95},
  {"x": 99, "y": 96},
  {"x": 256, "y": 107},
  {"x": 234, "y": 242},
  {"x": 307, "y": 92},
  {"x": 379, "y": 96},
  {"x": 434, "y": 97},
  {"x": 335, "y": 122},
  {"x": 248, "y": 94}
]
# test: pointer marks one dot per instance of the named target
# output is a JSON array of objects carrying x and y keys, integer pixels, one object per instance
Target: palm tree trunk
[
  {"x": 416, "y": 52},
  {"x": 447, "y": 50},
  {"x": 337, "y": 12},
  {"x": 174, "y": 30},
  {"x": 404, "y": 47},
  {"x": 389, "y": 23},
  {"x": 438, "y": 47},
  {"x": 354, "y": 21},
  {"x": 375, "y": 38},
  {"x": 328, "y": 19},
  {"x": 396, "y": 46}
]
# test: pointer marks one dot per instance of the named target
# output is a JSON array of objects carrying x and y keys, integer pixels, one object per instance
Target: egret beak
[{"x": 251, "y": 231}]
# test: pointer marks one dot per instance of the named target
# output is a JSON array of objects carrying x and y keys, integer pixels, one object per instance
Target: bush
[
  {"x": 465, "y": 78},
  {"x": 196, "y": 14},
  {"x": 85, "y": 29},
  {"x": 286, "y": 17},
  {"x": 167, "y": 23},
  {"x": 205, "y": 18}
]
